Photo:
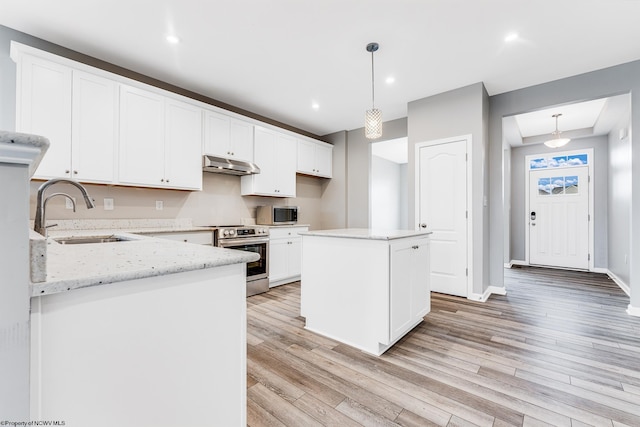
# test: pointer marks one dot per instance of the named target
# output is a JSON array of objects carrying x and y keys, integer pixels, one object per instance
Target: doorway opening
[{"x": 389, "y": 203}]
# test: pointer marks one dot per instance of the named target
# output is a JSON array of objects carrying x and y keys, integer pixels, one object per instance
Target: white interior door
[
  {"x": 559, "y": 217},
  {"x": 443, "y": 210}
]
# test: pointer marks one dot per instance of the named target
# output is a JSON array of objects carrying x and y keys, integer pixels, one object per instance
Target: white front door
[
  {"x": 559, "y": 217},
  {"x": 442, "y": 208}
]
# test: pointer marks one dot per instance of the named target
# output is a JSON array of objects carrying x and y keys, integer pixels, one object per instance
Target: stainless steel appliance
[
  {"x": 251, "y": 239},
  {"x": 276, "y": 215},
  {"x": 229, "y": 166}
]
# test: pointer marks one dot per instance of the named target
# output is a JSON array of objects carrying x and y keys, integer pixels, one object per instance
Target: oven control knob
[
  {"x": 232, "y": 232},
  {"x": 225, "y": 232}
]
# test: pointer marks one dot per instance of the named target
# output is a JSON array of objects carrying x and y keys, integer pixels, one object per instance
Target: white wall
[
  {"x": 619, "y": 202},
  {"x": 388, "y": 193}
]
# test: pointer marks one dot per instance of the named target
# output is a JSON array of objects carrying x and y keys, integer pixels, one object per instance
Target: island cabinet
[
  {"x": 285, "y": 254},
  {"x": 275, "y": 155},
  {"x": 227, "y": 137},
  {"x": 364, "y": 288}
]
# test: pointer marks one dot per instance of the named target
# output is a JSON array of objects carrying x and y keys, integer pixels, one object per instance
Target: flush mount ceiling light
[
  {"x": 373, "y": 117},
  {"x": 556, "y": 141}
]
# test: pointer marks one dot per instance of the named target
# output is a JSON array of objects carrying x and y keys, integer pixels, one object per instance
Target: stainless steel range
[{"x": 251, "y": 239}]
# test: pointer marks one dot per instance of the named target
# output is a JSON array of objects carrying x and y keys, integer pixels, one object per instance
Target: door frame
[
  {"x": 470, "y": 242},
  {"x": 591, "y": 227}
]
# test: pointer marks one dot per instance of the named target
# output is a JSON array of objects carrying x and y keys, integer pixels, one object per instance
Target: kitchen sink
[{"x": 76, "y": 240}]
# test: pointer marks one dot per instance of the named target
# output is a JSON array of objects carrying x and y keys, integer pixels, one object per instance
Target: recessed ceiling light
[
  {"x": 173, "y": 39},
  {"x": 315, "y": 106},
  {"x": 390, "y": 80},
  {"x": 511, "y": 37}
]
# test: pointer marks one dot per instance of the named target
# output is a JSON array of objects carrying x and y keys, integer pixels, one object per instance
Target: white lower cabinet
[
  {"x": 203, "y": 237},
  {"x": 285, "y": 254},
  {"x": 409, "y": 296}
]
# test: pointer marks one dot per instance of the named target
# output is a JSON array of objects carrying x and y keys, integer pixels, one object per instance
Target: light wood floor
[{"x": 558, "y": 350}]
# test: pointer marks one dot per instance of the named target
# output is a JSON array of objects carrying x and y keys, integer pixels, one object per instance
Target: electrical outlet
[
  {"x": 108, "y": 204},
  {"x": 159, "y": 205},
  {"x": 68, "y": 204}
]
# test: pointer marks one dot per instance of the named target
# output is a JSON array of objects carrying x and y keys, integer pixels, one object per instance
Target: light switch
[
  {"x": 108, "y": 204},
  {"x": 159, "y": 205}
]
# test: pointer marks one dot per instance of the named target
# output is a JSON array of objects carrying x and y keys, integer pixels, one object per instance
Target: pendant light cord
[{"x": 373, "y": 89}]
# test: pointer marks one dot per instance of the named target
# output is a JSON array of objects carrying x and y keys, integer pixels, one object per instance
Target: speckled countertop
[
  {"x": 366, "y": 233},
  {"x": 82, "y": 265}
]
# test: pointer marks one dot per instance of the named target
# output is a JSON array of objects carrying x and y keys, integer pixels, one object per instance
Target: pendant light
[
  {"x": 373, "y": 117},
  {"x": 556, "y": 141}
]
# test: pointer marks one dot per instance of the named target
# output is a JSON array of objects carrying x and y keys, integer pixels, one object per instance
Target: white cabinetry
[
  {"x": 160, "y": 141},
  {"x": 285, "y": 254},
  {"x": 410, "y": 296},
  {"x": 365, "y": 291},
  {"x": 315, "y": 158},
  {"x": 76, "y": 111},
  {"x": 275, "y": 155},
  {"x": 203, "y": 237},
  {"x": 227, "y": 137}
]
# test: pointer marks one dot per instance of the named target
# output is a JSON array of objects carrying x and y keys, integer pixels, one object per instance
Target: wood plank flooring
[{"x": 558, "y": 349}]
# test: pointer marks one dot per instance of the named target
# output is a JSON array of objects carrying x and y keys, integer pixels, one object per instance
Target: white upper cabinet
[
  {"x": 160, "y": 141},
  {"x": 275, "y": 155},
  {"x": 314, "y": 158},
  {"x": 227, "y": 137},
  {"x": 94, "y": 128},
  {"x": 77, "y": 111},
  {"x": 44, "y": 108},
  {"x": 183, "y": 145}
]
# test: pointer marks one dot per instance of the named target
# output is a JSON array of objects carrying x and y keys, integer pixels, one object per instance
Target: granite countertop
[
  {"x": 82, "y": 265},
  {"x": 366, "y": 233},
  {"x": 23, "y": 148}
]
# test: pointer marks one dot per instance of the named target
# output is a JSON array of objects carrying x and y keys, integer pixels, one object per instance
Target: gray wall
[
  {"x": 334, "y": 191},
  {"x": 459, "y": 112},
  {"x": 359, "y": 170},
  {"x": 616, "y": 80},
  {"x": 619, "y": 202},
  {"x": 599, "y": 180}
]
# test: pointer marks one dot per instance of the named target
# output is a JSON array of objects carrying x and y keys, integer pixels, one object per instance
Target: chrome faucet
[{"x": 41, "y": 202}]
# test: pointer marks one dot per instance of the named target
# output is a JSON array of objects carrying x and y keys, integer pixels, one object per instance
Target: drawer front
[
  {"x": 197, "y": 237},
  {"x": 286, "y": 232}
]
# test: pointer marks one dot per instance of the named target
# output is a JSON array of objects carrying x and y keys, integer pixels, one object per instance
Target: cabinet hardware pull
[
  {"x": 67, "y": 171},
  {"x": 75, "y": 172}
]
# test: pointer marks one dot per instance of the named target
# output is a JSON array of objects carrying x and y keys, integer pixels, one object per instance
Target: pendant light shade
[
  {"x": 556, "y": 141},
  {"x": 373, "y": 117},
  {"x": 373, "y": 123}
]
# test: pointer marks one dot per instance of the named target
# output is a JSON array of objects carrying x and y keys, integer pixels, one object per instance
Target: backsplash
[{"x": 218, "y": 203}]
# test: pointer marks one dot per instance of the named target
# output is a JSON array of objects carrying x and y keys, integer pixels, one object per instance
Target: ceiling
[
  {"x": 278, "y": 58},
  {"x": 578, "y": 120}
]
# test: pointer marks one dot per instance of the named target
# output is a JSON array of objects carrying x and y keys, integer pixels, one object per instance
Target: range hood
[{"x": 229, "y": 166}]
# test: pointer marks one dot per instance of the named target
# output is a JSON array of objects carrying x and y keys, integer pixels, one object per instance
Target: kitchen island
[
  {"x": 365, "y": 288},
  {"x": 142, "y": 331}
]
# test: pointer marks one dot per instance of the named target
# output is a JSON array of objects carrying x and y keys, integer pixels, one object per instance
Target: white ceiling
[
  {"x": 278, "y": 57},
  {"x": 578, "y": 120}
]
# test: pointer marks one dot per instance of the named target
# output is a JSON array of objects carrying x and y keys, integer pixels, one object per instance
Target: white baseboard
[
  {"x": 625, "y": 288},
  {"x": 633, "y": 311},
  {"x": 516, "y": 262},
  {"x": 599, "y": 270},
  {"x": 498, "y": 290}
]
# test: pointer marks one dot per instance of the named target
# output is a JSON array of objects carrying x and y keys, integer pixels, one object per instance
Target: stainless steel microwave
[{"x": 276, "y": 215}]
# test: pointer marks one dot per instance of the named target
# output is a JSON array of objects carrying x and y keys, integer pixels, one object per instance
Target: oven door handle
[{"x": 236, "y": 242}]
